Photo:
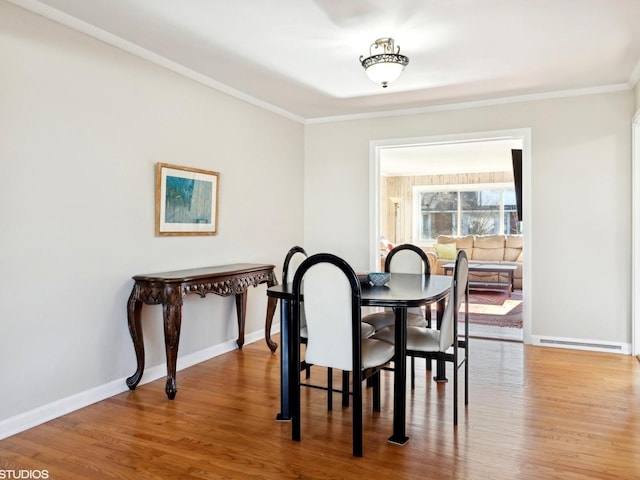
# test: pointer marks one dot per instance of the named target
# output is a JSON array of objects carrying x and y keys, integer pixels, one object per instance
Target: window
[{"x": 464, "y": 210}]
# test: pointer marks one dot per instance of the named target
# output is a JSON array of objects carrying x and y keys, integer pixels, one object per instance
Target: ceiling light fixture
[{"x": 386, "y": 65}]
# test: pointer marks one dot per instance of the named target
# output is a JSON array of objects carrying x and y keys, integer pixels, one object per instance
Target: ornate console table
[{"x": 169, "y": 288}]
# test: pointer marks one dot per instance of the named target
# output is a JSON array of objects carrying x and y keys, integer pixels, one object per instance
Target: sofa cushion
[
  {"x": 488, "y": 247},
  {"x": 446, "y": 251},
  {"x": 462, "y": 243},
  {"x": 513, "y": 248}
]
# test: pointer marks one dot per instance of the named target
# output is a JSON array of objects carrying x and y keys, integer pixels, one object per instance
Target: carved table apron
[{"x": 169, "y": 288}]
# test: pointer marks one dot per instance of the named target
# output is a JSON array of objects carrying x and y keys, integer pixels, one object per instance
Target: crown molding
[
  {"x": 635, "y": 76},
  {"x": 475, "y": 104}
]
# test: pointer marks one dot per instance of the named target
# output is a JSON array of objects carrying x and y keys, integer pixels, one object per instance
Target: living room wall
[
  {"x": 402, "y": 187},
  {"x": 580, "y": 189},
  {"x": 83, "y": 125}
]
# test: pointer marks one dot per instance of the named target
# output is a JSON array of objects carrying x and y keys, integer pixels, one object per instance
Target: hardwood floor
[{"x": 534, "y": 413}]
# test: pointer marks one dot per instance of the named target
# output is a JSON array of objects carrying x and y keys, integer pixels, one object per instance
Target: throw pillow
[
  {"x": 519, "y": 259},
  {"x": 446, "y": 251}
]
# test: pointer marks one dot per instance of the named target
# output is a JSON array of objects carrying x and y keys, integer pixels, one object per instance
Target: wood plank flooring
[{"x": 534, "y": 413}]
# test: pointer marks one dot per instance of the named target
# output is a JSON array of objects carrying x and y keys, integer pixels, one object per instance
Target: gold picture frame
[{"x": 186, "y": 200}]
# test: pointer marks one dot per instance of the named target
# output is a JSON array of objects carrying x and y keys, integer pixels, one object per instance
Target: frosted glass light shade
[{"x": 384, "y": 73}]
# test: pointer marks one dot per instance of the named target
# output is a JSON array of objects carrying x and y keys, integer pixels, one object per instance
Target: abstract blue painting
[{"x": 186, "y": 200}]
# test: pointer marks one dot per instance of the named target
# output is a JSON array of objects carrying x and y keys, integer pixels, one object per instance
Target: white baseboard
[
  {"x": 40, "y": 415},
  {"x": 581, "y": 344},
  {"x": 37, "y": 416}
]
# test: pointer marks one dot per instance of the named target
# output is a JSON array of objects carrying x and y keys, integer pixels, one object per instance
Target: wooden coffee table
[{"x": 488, "y": 268}]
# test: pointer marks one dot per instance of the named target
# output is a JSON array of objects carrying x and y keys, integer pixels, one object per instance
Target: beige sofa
[{"x": 487, "y": 249}]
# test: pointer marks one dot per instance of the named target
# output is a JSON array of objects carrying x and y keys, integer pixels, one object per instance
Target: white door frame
[
  {"x": 635, "y": 234},
  {"x": 524, "y": 134}
]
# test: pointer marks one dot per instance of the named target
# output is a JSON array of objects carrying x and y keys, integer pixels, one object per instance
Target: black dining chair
[
  {"x": 294, "y": 258},
  {"x": 405, "y": 258},
  {"x": 328, "y": 291},
  {"x": 443, "y": 344}
]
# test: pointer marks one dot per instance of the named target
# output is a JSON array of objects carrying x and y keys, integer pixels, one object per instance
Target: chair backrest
[
  {"x": 407, "y": 258},
  {"x": 295, "y": 256},
  {"x": 459, "y": 283},
  {"x": 331, "y": 293}
]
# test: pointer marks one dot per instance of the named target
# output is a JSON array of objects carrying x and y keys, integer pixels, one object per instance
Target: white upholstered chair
[
  {"x": 443, "y": 344},
  {"x": 327, "y": 289},
  {"x": 405, "y": 258},
  {"x": 294, "y": 258}
]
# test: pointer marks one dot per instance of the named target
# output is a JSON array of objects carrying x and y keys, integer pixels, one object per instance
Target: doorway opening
[{"x": 469, "y": 166}]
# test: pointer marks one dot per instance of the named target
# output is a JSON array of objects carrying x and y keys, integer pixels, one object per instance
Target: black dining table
[{"x": 401, "y": 292}]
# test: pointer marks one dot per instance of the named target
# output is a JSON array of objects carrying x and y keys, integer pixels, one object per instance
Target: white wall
[
  {"x": 581, "y": 201},
  {"x": 82, "y": 125}
]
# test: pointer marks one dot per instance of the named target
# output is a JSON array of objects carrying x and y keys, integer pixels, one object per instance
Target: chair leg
[
  {"x": 307, "y": 369},
  {"x": 413, "y": 372},
  {"x": 375, "y": 380},
  {"x": 329, "y": 389},
  {"x": 466, "y": 346},
  {"x": 345, "y": 389},
  {"x": 357, "y": 418},
  {"x": 455, "y": 385},
  {"x": 466, "y": 376}
]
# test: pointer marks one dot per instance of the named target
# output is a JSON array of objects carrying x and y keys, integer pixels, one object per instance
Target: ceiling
[
  {"x": 491, "y": 155},
  {"x": 301, "y": 57}
]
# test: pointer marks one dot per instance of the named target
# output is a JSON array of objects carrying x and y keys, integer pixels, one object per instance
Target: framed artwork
[{"x": 186, "y": 201}]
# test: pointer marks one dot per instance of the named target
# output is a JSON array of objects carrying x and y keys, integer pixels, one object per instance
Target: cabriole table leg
[
  {"x": 134, "y": 307},
  {"x": 272, "y": 303},
  {"x": 172, "y": 314}
]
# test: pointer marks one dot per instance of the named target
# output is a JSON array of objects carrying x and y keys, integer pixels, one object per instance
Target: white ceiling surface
[
  {"x": 449, "y": 158},
  {"x": 301, "y": 57}
]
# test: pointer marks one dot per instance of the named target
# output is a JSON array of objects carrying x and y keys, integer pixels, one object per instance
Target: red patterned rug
[
  {"x": 493, "y": 308},
  {"x": 496, "y": 309}
]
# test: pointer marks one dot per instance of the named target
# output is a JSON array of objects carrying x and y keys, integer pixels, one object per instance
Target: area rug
[{"x": 496, "y": 309}]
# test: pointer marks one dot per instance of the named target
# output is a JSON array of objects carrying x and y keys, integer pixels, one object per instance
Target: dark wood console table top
[{"x": 169, "y": 288}]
